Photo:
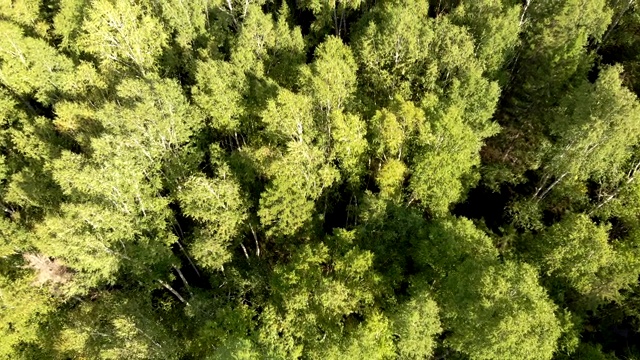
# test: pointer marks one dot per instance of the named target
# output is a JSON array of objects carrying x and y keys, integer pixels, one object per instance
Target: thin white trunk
[
  {"x": 615, "y": 22},
  {"x": 544, "y": 181},
  {"x": 552, "y": 186},
  {"x": 255, "y": 237},
  {"x": 184, "y": 280},
  {"x": 184, "y": 251},
  {"x": 244, "y": 249},
  {"x": 524, "y": 12},
  {"x": 630, "y": 178},
  {"x": 174, "y": 292}
]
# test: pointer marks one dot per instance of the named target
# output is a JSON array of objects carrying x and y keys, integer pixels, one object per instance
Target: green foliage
[
  {"x": 349, "y": 144},
  {"x": 553, "y": 54},
  {"x": 391, "y": 178},
  {"x": 319, "y": 179},
  {"x": 87, "y": 240},
  {"x": 187, "y": 20},
  {"x": 299, "y": 178},
  {"x": 395, "y": 129},
  {"x": 24, "y": 310},
  {"x": 441, "y": 171},
  {"x": 333, "y": 75},
  {"x": 29, "y": 66},
  {"x": 288, "y": 55},
  {"x": 312, "y": 294},
  {"x": 330, "y": 13},
  {"x": 576, "y": 249},
  {"x": 389, "y": 49},
  {"x": 256, "y": 37},
  {"x": 447, "y": 84},
  {"x": 555, "y": 57},
  {"x": 67, "y": 23},
  {"x": 372, "y": 340},
  {"x": 494, "y": 25},
  {"x": 127, "y": 328},
  {"x": 218, "y": 205},
  {"x": 499, "y": 311},
  {"x": 123, "y": 35},
  {"x": 218, "y": 92},
  {"x": 450, "y": 241},
  {"x": 22, "y": 12},
  {"x": 596, "y": 129},
  {"x": 288, "y": 117},
  {"x": 417, "y": 323}
]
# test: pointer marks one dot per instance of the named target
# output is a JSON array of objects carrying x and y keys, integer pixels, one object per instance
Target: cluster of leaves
[{"x": 315, "y": 179}]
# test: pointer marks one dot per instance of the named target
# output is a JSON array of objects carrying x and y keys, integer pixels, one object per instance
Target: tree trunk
[
  {"x": 614, "y": 23},
  {"x": 524, "y": 12},
  {"x": 174, "y": 292},
  {"x": 552, "y": 186},
  {"x": 184, "y": 280}
]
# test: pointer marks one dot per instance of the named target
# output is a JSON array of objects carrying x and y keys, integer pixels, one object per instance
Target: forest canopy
[{"x": 320, "y": 179}]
